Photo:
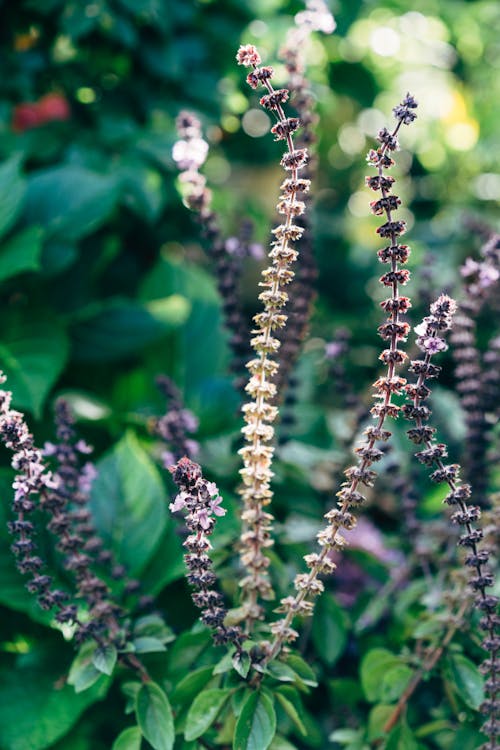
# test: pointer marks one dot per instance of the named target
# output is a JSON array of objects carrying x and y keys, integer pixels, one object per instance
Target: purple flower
[
  {"x": 432, "y": 344},
  {"x": 214, "y": 506},
  {"x": 82, "y": 447},
  {"x": 179, "y": 502}
]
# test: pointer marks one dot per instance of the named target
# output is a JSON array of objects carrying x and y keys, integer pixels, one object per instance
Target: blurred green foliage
[{"x": 104, "y": 284}]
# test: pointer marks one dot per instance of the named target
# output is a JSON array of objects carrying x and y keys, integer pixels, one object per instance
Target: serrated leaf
[
  {"x": 129, "y": 739},
  {"x": 12, "y": 192},
  {"x": 104, "y": 659},
  {"x": 128, "y": 502},
  {"x": 154, "y": 716},
  {"x": 147, "y": 645},
  {"x": 21, "y": 253},
  {"x": 256, "y": 725},
  {"x": 204, "y": 710},
  {"x": 466, "y": 680}
]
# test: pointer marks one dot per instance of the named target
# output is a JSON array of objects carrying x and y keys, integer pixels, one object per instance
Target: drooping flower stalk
[
  {"x": 189, "y": 153},
  {"x": 430, "y": 341},
  {"x": 259, "y": 413},
  {"x": 202, "y": 502},
  {"x": 308, "y": 585}
]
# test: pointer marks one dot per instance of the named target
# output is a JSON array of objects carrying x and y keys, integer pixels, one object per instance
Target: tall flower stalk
[
  {"x": 316, "y": 17},
  {"x": 259, "y": 413},
  {"x": 477, "y": 380},
  {"x": 307, "y": 585},
  {"x": 431, "y": 341},
  {"x": 189, "y": 153}
]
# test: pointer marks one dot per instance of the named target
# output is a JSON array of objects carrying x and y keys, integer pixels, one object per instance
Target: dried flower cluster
[
  {"x": 430, "y": 340},
  {"x": 202, "y": 502},
  {"x": 259, "y": 413}
]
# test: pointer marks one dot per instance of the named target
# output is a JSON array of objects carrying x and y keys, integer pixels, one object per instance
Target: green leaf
[
  {"x": 379, "y": 715},
  {"x": 129, "y": 739},
  {"x": 154, "y": 717},
  {"x": 148, "y": 645},
  {"x": 130, "y": 690},
  {"x": 153, "y": 626},
  {"x": 83, "y": 673},
  {"x": 329, "y": 629},
  {"x": 104, "y": 659},
  {"x": 280, "y": 743},
  {"x": 70, "y": 201},
  {"x": 373, "y": 669},
  {"x": 21, "y": 253},
  {"x": 128, "y": 502},
  {"x": 466, "y": 680},
  {"x": 401, "y": 738},
  {"x": 186, "y": 650},
  {"x": 302, "y": 669},
  {"x": 190, "y": 685},
  {"x": 256, "y": 725},
  {"x": 281, "y": 671},
  {"x": 346, "y": 736},
  {"x": 12, "y": 192},
  {"x": 115, "y": 329},
  {"x": 32, "y": 357},
  {"x": 241, "y": 662},
  {"x": 36, "y": 707},
  {"x": 289, "y": 707},
  {"x": 394, "y": 683},
  {"x": 204, "y": 710}
]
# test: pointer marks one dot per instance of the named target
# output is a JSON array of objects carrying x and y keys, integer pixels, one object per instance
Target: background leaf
[
  {"x": 129, "y": 503},
  {"x": 32, "y": 357},
  {"x": 21, "y": 252},
  {"x": 12, "y": 191}
]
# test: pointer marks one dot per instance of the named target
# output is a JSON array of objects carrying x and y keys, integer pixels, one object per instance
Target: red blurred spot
[{"x": 49, "y": 108}]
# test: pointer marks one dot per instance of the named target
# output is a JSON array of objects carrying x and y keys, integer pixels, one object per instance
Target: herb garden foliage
[{"x": 126, "y": 331}]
